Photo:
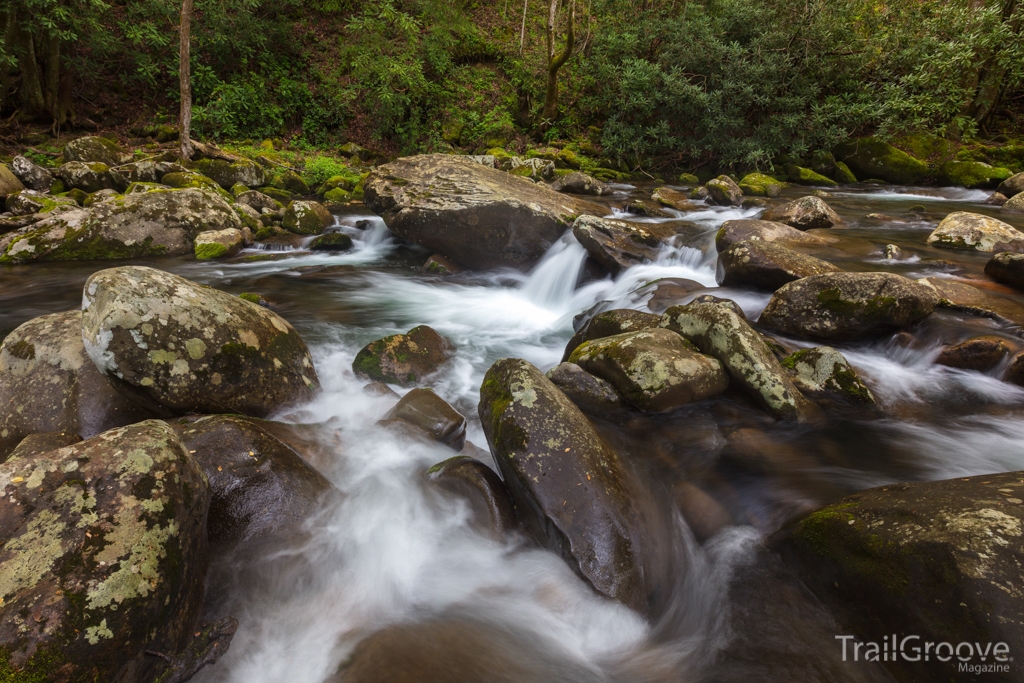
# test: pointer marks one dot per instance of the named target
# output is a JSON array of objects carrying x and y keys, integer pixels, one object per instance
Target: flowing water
[{"x": 394, "y": 551}]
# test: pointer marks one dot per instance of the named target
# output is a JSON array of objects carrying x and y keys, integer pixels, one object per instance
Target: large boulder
[
  {"x": 872, "y": 158},
  {"x": 1012, "y": 186},
  {"x": 718, "y": 330},
  {"x": 960, "y": 296},
  {"x": 655, "y": 370},
  {"x": 156, "y": 223},
  {"x": 935, "y": 562},
  {"x": 480, "y": 217},
  {"x": 748, "y": 230},
  {"x": 95, "y": 149},
  {"x": 973, "y": 174},
  {"x": 33, "y": 176},
  {"x": 608, "y": 323},
  {"x": 760, "y": 185},
  {"x": 29, "y": 202},
  {"x": 49, "y": 384},
  {"x": 724, "y": 191},
  {"x": 825, "y": 375},
  {"x": 807, "y": 176},
  {"x": 103, "y": 557},
  {"x": 227, "y": 173},
  {"x": 805, "y": 213},
  {"x": 766, "y": 265},
  {"x": 570, "y": 489},
  {"x": 1007, "y": 268},
  {"x": 146, "y": 171},
  {"x": 259, "y": 201},
  {"x": 963, "y": 230},
  {"x": 307, "y": 217},
  {"x": 404, "y": 359},
  {"x": 580, "y": 183},
  {"x": 481, "y": 487},
  {"x": 589, "y": 392},
  {"x": 1014, "y": 204},
  {"x": 9, "y": 183},
  {"x": 848, "y": 306},
  {"x": 259, "y": 485},
  {"x": 178, "y": 347},
  {"x": 616, "y": 244},
  {"x": 428, "y": 412},
  {"x": 87, "y": 177}
]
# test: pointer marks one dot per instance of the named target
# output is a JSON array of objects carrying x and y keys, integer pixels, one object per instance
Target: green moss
[
  {"x": 805, "y": 176},
  {"x": 973, "y": 174},
  {"x": 872, "y": 158},
  {"x": 25, "y": 350},
  {"x": 844, "y": 175},
  {"x": 210, "y": 250},
  {"x": 832, "y": 299},
  {"x": 251, "y": 297}
]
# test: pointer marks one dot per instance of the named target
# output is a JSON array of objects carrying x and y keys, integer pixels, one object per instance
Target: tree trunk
[
  {"x": 185, "y": 80},
  {"x": 556, "y": 62},
  {"x": 31, "y": 88}
]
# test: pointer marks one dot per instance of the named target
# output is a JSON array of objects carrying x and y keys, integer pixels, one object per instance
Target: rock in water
[
  {"x": 104, "y": 556},
  {"x": 805, "y": 213},
  {"x": 673, "y": 199},
  {"x": 481, "y": 487},
  {"x": 403, "y": 359},
  {"x": 259, "y": 485},
  {"x": 307, "y": 217},
  {"x": 616, "y": 244},
  {"x": 179, "y": 347},
  {"x": 718, "y": 330},
  {"x": 608, "y": 323},
  {"x": 1007, "y": 268},
  {"x": 824, "y": 374},
  {"x": 848, "y": 306},
  {"x": 980, "y": 354},
  {"x": 724, "y": 191},
  {"x": 425, "y": 410},
  {"x": 1012, "y": 186},
  {"x": 580, "y": 183},
  {"x": 479, "y": 217},
  {"x": 746, "y": 230},
  {"x": 218, "y": 243},
  {"x": 938, "y": 560},
  {"x": 587, "y": 391},
  {"x": 963, "y": 230},
  {"x": 766, "y": 265},
  {"x": 655, "y": 370},
  {"x": 570, "y": 489},
  {"x": 48, "y": 384}
]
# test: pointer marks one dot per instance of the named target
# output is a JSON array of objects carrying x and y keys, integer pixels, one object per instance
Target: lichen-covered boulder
[
  {"x": 747, "y": 230},
  {"x": 805, "y": 213},
  {"x": 32, "y": 201},
  {"x": 481, "y": 487},
  {"x": 616, "y": 244},
  {"x": 1007, "y": 268},
  {"x": 580, "y": 183},
  {"x": 189, "y": 179},
  {"x": 480, "y": 217},
  {"x": 825, "y": 375},
  {"x": 980, "y": 354},
  {"x": 259, "y": 485},
  {"x": 218, "y": 243},
  {"x": 848, "y": 306},
  {"x": 760, "y": 185},
  {"x": 1012, "y": 186},
  {"x": 227, "y": 173},
  {"x": 306, "y": 217},
  {"x": 425, "y": 410},
  {"x": 161, "y": 222},
  {"x": 258, "y": 201},
  {"x": 589, "y": 392},
  {"x": 570, "y": 489},
  {"x": 403, "y": 359},
  {"x": 655, "y": 370},
  {"x": 9, "y": 183},
  {"x": 608, "y": 323},
  {"x": 766, "y": 265},
  {"x": 103, "y": 557},
  {"x": 718, "y": 330},
  {"x": 806, "y": 176},
  {"x": 332, "y": 241},
  {"x": 937, "y": 560},
  {"x": 973, "y": 174},
  {"x": 34, "y": 177},
  {"x": 49, "y": 384},
  {"x": 870, "y": 157},
  {"x": 179, "y": 347},
  {"x": 963, "y": 230},
  {"x": 95, "y": 149},
  {"x": 87, "y": 177},
  {"x": 1014, "y": 204},
  {"x": 724, "y": 191}
]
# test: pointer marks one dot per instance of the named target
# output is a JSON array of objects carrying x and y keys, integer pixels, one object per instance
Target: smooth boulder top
[
  {"x": 9, "y": 183},
  {"x": 180, "y": 347},
  {"x": 1012, "y": 186},
  {"x": 805, "y": 213},
  {"x": 766, "y": 265},
  {"x": 1007, "y": 268},
  {"x": 616, "y": 244},
  {"x": 963, "y": 230},
  {"x": 480, "y": 217},
  {"x": 751, "y": 230},
  {"x": 92, "y": 148}
]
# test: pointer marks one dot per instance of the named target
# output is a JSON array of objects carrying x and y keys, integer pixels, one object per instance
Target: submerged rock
[
  {"x": 981, "y": 354},
  {"x": 589, "y": 392},
  {"x": 1007, "y": 268},
  {"x": 178, "y": 347},
  {"x": 962, "y": 230},
  {"x": 961, "y": 296},
  {"x": 570, "y": 489},
  {"x": 848, "y": 306},
  {"x": 825, "y": 375},
  {"x": 580, "y": 183},
  {"x": 608, "y": 323},
  {"x": 805, "y": 213},
  {"x": 747, "y": 230},
  {"x": 480, "y": 217},
  {"x": 655, "y": 370},
  {"x": 427, "y": 411},
  {"x": 103, "y": 556},
  {"x": 766, "y": 265},
  {"x": 49, "y": 384},
  {"x": 403, "y": 359},
  {"x": 481, "y": 487}
]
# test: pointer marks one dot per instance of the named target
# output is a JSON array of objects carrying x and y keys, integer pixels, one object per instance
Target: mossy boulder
[
  {"x": 719, "y": 330},
  {"x": 190, "y": 179},
  {"x": 481, "y": 487},
  {"x": 143, "y": 187},
  {"x": 654, "y": 369},
  {"x": 292, "y": 182},
  {"x": 331, "y": 241},
  {"x": 843, "y": 174},
  {"x": 805, "y": 213},
  {"x": 9, "y": 183},
  {"x": 49, "y": 384},
  {"x": 99, "y": 196},
  {"x": 229, "y": 173},
  {"x": 337, "y": 196},
  {"x": 609, "y": 323},
  {"x": 571, "y": 490},
  {"x": 869, "y": 157},
  {"x": 1007, "y": 268},
  {"x": 749, "y": 230},
  {"x": 937, "y": 560},
  {"x": 580, "y": 183},
  {"x": 848, "y": 306},
  {"x": 724, "y": 191},
  {"x": 589, "y": 392},
  {"x": 766, "y": 265},
  {"x": 31, "y": 201},
  {"x": 806, "y": 176},
  {"x": 279, "y": 195},
  {"x": 981, "y": 354},
  {"x": 673, "y": 199},
  {"x": 87, "y": 177},
  {"x": 238, "y": 189},
  {"x": 178, "y": 347},
  {"x": 973, "y": 174},
  {"x": 427, "y": 412},
  {"x": 259, "y": 201},
  {"x": 91, "y": 149},
  {"x": 147, "y": 171},
  {"x": 214, "y": 244},
  {"x": 403, "y": 359},
  {"x": 306, "y": 217},
  {"x": 760, "y": 185},
  {"x": 103, "y": 557},
  {"x": 974, "y": 231},
  {"x": 825, "y": 375},
  {"x": 33, "y": 176}
]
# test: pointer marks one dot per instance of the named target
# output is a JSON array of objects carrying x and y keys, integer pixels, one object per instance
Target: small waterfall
[{"x": 552, "y": 282}]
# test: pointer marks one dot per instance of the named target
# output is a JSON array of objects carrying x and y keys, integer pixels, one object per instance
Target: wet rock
[
  {"x": 580, "y": 183},
  {"x": 668, "y": 292},
  {"x": 1014, "y": 373},
  {"x": 961, "y": 296},
  {"x": 981, "y": 354},
  {"x": 962, "y": 230},
  {"x": 760, "y": 185},
  {"x": 479, "y": 485},
  {"x": 766, "y": 265},
  {"x": 48, "y": 384},
  {"x": 892, "y": 252},
  {"x": 719, "y": 331},
  {"x": 439, "y": 265},
  {"x": 259, "y": 201},
  {"x": 9, "y": 183},
  {"x": 872, "y": 158},
  {"x": 104, "y": 556},
  {"x": 996, "y": 199},
  {"x": 227, "y": 173},
  {"x": 805, "y": 213},
  {"x": 306, "y": 217},
  {"x": 589, "y": 392},
  {"x": 403, "y": 359},
  {"x": 638, "y": 207},
  {"x": 1007, "y": 268},
  {"x": 32, "y": 202},
  {"x": 747, "y": 230},
  {"x": 33, "y": 176},
  {"x": 44, "y": 442},
  {"x": 1014, "y": 204},
  {"x": 331, "y": 241},
  {"x": 425, "y": 410},
  {"x": 616, "y": 244},
  {"x": 973, "y": 174},
  {"x": 724, "y": 191},
  {"x": 218, "y": 243},
  {"x": 825, "y": 375},
  {"x": 1012, "y": 186},
  {"x": 158, "y": 223},
  {"x": 703, "y": 514},
  {"x": 478, "y": 216},
  {"x": 673, "y": 199},
  {"x": 95, "y": 149},
  {"x": 380, "y": 389},
  {"x": 87, "y": 177},
  {"x": 655, "y": 370},
  {"x": 178, "y": 347},
  {"x": 608, "y": 323},
  {"x": 939, "y": 560},
  {"x": 571, "y": 490},
  {"x": 259, "y": 485},
  {"x": 848, "y": 306}
]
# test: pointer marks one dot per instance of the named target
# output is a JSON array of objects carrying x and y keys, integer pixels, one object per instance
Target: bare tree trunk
[
  {"x": 185, "y": 80},
  {"x": 522, "y": 29},
  {"x": 556, "y": 62}
]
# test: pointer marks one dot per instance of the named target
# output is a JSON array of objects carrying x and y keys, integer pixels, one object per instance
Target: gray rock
[
  {"x": 805, "y": 213},
  {"x": 580, "y": 183},
  {"x": 227, "y": 173},
  {"x": 825, "y": 375},
  {"x": 746, "y": 230},
  {"x": 87, "y": 177},
  {"x": 33, "y": 176},
  {"x": 973, "y": 231},
  {"x": 589, "y": 392},
  {"x": 1012, "y": 186},
  {"x": 766, "y": 265},
  {"x": 258, "y": 201},
  {"x": 608, "y": 323},
  {"x": 91, "y": 149},
  {"x": 306, "y": 217},
  {"x": 1014, "y": 204},
  {"x": 34, "y": 202},
  {"x": 616, "y": 244}
]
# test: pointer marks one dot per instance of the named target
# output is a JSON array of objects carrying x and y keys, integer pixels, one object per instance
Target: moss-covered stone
[
  {"x": 28, "y": 202},
  {"x": 724, "y": 191},
  {"x": 185, "y": 179},
  {"x": 870, "y": 157},
  {"x": 229, "y": 173},
  {"x": 306, "y": 217},
  {"x": 404, "y": 359},
  {"x": 88, "y": 177},
  {"x": 843, "y": 174},
  {"x": 825, "y": 375},
  {"x": 688, "y": 179},
  {"x": 238, "y": 189},
  {"x": 806, "y": 176},
  {"x": 91, "y": 149},
  {"x": 973, "y": 174},
  {"x": 214, "y": 244},
  {"x": 337, "y": 195},
  {"x": 609, "y": 323},
  {"x": 760, "y": 185},
  {"x": 331, "y": 241},
  {"x": 278, "y": 194}
]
